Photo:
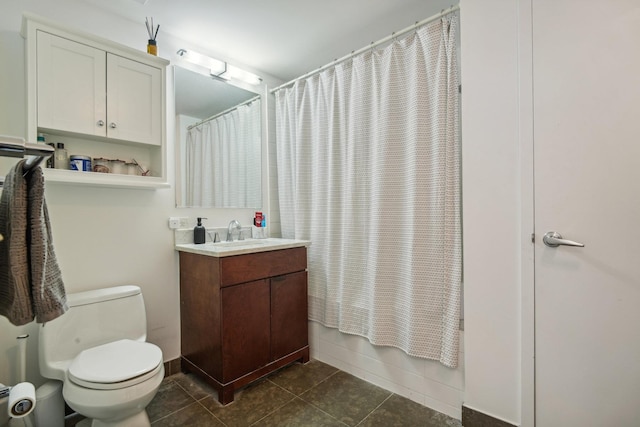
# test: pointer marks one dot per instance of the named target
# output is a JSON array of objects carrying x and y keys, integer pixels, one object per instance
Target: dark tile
[
  {"x": 398, "y": 411},
  {"x": 346, "y": 397},
  {"x": 299, "y": 378},
  {"x": 193, "y": 415},
  {"x": 440, "y": 419},
  {"x": 170, "y": 398},
  {"x": 250, "y": 404},
  {"x": 298, "y": 413},
  {"x": 194, "y": 385}
]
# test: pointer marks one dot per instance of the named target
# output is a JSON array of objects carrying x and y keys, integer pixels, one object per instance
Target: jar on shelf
[
  {"x": 132, "y": 168},
  {"x": 101, "y": 165},
  {"x": 80, "y": 163},
  {"x": 117, "y": 166}
]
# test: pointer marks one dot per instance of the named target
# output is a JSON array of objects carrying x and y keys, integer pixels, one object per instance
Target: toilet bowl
[{"x": 98, "y": 350}]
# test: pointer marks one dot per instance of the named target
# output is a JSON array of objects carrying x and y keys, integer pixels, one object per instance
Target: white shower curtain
[
  {"x": 223, "y": 160},
  {"x": 369, "y": 170}
]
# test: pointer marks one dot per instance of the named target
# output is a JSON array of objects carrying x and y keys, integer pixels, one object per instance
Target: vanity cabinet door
[
  {"x": 245, "y": 328},
  {"x": 71, "y": 91},
  {"x": 288, "y": 314},
  {"x": 134, "y": 101}
]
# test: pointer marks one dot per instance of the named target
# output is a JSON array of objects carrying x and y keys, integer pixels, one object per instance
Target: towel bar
[{"x": 17, "y": 147}]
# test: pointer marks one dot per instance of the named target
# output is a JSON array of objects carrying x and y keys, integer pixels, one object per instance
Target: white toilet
[{"x": 98, "y": 350}]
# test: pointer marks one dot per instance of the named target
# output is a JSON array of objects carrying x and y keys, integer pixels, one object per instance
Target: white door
[{"x": 586, "y": 72}]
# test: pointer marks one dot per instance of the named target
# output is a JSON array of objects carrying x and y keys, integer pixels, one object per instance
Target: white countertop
[{"x": 240, "y": 247}]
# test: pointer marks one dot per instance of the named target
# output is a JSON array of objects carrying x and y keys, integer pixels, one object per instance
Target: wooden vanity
[{"x": 242, "y": 316}]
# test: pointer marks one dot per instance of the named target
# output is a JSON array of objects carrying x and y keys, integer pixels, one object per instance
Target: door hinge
[{"x": 533, "y": 237}]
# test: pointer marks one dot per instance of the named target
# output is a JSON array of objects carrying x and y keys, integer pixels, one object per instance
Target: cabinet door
[
  {"x": 71, "y": 86},
  {"x": 245, "y": 328},
  {"x": 134, "y": 101},
  {"x": 289, "y": 330}
]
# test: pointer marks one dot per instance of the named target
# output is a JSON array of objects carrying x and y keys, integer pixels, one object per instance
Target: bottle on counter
[
  {"x": 199, "y": 232},
  {"x": 61, "y": 160}
]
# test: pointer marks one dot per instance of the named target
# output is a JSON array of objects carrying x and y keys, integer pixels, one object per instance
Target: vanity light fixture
[{"x": 219, "y": 68}]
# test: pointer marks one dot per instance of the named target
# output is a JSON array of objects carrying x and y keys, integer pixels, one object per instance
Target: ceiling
[{"x": 282, "y": 38}]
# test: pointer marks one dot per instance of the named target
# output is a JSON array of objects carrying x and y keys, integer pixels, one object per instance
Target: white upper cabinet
[
  {"x": 100, "y": 99},
  {"x": 86, "y": 90}
]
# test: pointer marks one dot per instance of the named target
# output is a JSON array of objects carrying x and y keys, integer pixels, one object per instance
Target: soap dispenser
[{"x": 199, "y": 232}]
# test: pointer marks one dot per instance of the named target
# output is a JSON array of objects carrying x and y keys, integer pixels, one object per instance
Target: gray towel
[{"x": 31, "y": 283}]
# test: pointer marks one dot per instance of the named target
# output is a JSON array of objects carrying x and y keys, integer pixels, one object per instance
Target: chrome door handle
[
  {"x": 553, "y": 240},
  {"x": 100, "y": 123},
  {"x": 112, "y": 125}
]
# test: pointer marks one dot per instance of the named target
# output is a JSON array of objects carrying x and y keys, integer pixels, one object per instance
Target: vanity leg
[
  {"x": 305, "y": 355},
  {"x": 225, "y": 394}
]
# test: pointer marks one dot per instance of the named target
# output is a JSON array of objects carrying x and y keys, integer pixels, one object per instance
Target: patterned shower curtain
[
  {"x": 368, "y": 157},
  {"x": 223, "y": 158}
]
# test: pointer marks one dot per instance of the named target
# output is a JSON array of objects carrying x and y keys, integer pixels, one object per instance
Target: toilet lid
[{"x": 115, "y": 362}]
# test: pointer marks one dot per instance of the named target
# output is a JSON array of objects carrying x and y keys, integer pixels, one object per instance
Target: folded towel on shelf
[{"x": 31, "y": 283}]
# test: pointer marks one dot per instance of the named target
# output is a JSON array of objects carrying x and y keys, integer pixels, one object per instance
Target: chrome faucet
[{"x": 234, "y": 225}]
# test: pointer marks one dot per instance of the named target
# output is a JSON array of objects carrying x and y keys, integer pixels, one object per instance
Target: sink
[
  {"x": 249, "y": 242},
  {"x": 240, "y": 247}
]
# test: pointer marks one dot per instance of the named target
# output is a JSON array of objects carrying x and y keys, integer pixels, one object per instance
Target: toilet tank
[{"x": 94, "y": 318}]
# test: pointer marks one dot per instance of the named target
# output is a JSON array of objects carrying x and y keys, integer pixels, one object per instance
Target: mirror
[{"x": 218, "y": 151}]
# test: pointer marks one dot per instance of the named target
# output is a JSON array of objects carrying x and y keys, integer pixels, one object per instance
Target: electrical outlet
[
  {"x": 184, "y": 222},
  {"x": 174, "y": 223}
]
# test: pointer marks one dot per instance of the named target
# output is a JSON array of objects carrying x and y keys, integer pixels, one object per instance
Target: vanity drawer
[{"x": 249, "y": 267}]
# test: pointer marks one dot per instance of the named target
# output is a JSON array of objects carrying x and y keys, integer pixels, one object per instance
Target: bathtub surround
[{"x": 370, "y": 149}]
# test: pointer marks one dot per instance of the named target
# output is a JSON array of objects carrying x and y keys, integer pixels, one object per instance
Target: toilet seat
[{"x": 115, "y": 365}]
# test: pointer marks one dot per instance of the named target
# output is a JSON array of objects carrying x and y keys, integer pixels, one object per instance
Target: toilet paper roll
[{"x": 22, "y": 400}]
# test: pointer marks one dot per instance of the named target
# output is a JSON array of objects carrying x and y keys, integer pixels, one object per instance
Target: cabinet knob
[
  {"x": 112, "y": 125},
  {"x": 100, "y": 123}
]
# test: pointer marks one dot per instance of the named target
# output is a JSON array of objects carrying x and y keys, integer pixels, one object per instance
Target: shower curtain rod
[
  {"x": 215, "y": 116},
  {"x": 372, "y": 45}
]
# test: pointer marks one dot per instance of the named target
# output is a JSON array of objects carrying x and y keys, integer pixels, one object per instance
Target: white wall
[
  {"x": 102, "y": 236},
  {"x": 491, "y": 155}
]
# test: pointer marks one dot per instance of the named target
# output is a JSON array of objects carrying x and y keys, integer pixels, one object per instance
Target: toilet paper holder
[{"x": 22, "y": 399}]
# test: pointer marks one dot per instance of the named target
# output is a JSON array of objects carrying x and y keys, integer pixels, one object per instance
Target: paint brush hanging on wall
[{"x": 152, "y": 47}]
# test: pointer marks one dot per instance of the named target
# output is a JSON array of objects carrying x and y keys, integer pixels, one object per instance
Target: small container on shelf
[
  {"x": 51, "y": 159},
  {"x": 101, "y": 165},
  {"x": 61, "y": 157},
  {"x": 80, "y": 163},
  {"x": 132, "y": 168},
  {"x": 117, "y": 166}
]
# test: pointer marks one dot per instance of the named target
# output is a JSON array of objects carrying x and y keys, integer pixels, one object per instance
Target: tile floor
[{"x": 308, "y": 395}]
